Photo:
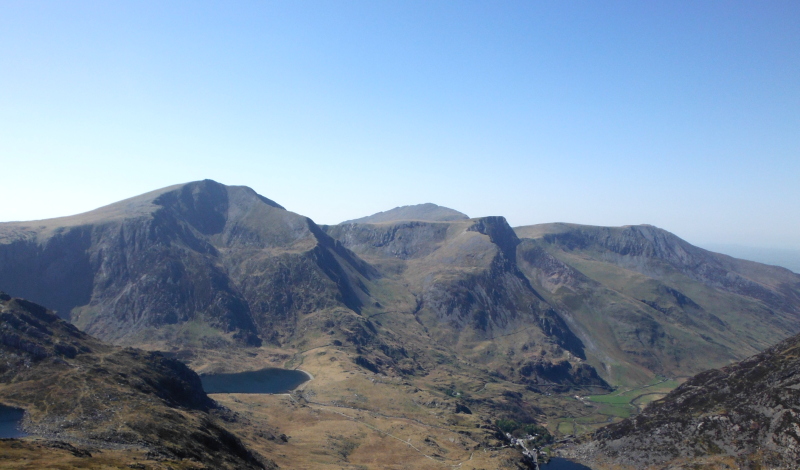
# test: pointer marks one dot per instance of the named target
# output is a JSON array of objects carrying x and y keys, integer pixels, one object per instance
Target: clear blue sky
[{"x": 681, "y": 114}]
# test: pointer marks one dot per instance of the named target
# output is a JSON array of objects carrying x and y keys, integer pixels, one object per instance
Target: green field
[{"x": 605, "y": 409}]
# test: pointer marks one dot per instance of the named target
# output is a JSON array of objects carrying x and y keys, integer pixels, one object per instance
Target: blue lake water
[
  {"x": 258, "y": 381},
  {"x": 557, "y": 463},
  {"x": 10, "y": 419}
]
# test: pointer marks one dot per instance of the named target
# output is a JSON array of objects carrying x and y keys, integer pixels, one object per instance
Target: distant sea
[{"x": 789, "y": 259}]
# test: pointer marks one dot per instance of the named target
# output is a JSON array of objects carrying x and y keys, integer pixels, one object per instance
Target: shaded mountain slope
[
  {"x": 77, "y": 389},
  {"x": 461, "y": 283},
  {"x": 195, "y": 263},
  {"x": 644, "y": 301},
  {"x": 746, "y": 415},
  {"x": 427, "y": 212}
]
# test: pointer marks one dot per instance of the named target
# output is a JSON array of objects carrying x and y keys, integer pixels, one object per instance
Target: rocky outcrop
[
  {"x": 748, "y": 412},
  {"x": 401, "y": 240}
]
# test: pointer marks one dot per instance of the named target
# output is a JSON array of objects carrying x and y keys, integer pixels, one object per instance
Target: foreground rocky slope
[
  {"x": 78, "y": 390},
  {"x": 746, "y": 415}
]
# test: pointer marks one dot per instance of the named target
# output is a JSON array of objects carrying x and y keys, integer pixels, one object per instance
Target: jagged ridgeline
[{"x": 208, "y": 266}]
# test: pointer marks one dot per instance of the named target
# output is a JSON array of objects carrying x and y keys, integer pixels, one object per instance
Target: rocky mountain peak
[{"x": 500, "y": 233}]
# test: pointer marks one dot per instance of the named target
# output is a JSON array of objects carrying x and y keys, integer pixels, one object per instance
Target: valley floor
[{"x": 348, "y": 418}]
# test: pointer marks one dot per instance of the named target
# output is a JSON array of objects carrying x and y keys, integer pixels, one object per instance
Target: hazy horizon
[{"x": 683, "y": 116}]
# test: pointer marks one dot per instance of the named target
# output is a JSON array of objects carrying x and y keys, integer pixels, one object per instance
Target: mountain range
[
  {"x": 228, "y": 280},
  {"x": 203, "y": 265}
]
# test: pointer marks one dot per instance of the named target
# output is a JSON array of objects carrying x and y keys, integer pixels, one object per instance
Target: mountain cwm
[{"x": 195, "y": 263}]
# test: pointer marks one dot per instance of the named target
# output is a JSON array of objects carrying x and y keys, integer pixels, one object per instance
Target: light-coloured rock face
[{"x": 747, "y": 412}]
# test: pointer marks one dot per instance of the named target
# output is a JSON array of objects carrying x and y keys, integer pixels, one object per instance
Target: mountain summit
[
  {"x": 220, "y": 261},
  {"x": 427, "y": 212}
]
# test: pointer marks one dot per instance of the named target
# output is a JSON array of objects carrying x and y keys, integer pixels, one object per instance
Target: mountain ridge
[
  {"x": 182, "y": 236},
  {"x": 647, "y": 289}
]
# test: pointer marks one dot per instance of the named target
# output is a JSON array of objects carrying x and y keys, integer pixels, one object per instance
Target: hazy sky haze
[{"x": 684, "y": 115}]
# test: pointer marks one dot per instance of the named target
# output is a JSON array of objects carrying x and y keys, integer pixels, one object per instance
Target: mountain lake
[
  {"x": 9, "y": 422},
  {"x": 557, "y": 463},
  {"x": 257, "y": 381}
]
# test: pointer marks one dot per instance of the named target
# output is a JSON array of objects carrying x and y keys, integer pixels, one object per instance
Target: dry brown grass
[{"x": 349, "y": 418}]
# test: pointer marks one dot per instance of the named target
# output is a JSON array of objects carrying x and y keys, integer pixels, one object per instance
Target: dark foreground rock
[
  {"x": 745, "y": 416},
  {"x": 80, "y": 394}
]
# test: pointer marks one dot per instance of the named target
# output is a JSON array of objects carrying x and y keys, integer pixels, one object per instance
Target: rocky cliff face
[
  {"x": 77, "y": 389},
  {"x": 222, "y": 259},
  {"x": 745, "y": 415}
]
